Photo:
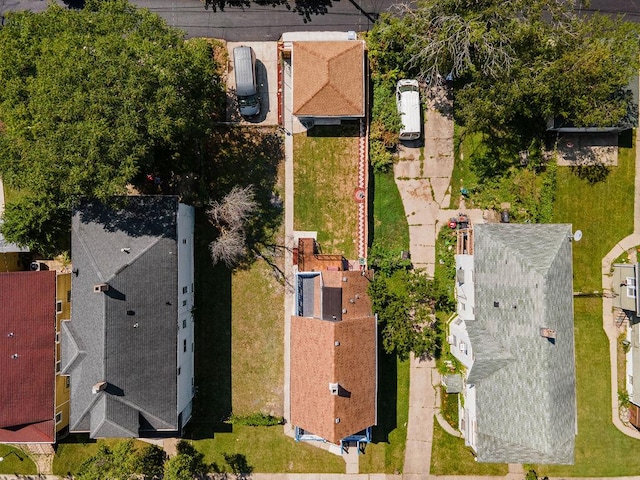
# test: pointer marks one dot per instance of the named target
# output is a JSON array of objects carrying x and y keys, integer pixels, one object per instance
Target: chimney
[
  {"x": 98, "y": 387},
  {"x": 100, "y": 287},
  {"x": 548, "y": 333}
]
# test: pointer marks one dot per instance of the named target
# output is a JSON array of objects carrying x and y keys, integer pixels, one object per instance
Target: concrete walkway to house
[{"x": 611, "y": 328}]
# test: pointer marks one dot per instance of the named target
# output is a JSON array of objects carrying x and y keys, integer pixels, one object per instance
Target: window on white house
[
  {"x": 58, "y": 417},
  {"x": 630, "y": 379},
  {"x": 184, "y": 323},
  {"x": 59, "y": 306},
  {"x": 631, "y": 287},
  {"x": 185, "y": 289}
]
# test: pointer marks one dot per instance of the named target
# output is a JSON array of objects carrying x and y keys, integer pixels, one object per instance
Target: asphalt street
[{"x": 251, "y": 21}]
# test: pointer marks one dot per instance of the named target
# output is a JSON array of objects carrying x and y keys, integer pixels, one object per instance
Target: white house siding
[
  {"x": 186, "y": 221},
  {"x": 465, "y": 289},
  {"x": 467, "y": 416}
]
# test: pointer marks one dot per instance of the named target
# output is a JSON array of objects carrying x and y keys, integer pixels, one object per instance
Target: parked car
[
  {"x": 408, "y": 102},
  {"x": 244, "y": 66}
]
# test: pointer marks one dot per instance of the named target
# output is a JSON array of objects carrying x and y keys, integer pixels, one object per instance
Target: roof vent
[
  {"x": 100, "y": 287},
  {"x": 337, "y": 420},
  {"x": 496, "y": 304},
  {"x": 125, "y": 250},
  {"x": 548, "y": 333},
  {"x": 344, "y": 279},
  {"x": 344, "y": 310},
  {"x": 130, "y": 312},
  {"x": 352, "y": 300},
  {"x": 10, "y": 334},
  {"x": 98, "y": 387},
  {"x": 334, "y": 388},
  {"x": 357, "y": 296},
  {"x": 337, "y": 343},
  {"x": 14, "y": 356}
]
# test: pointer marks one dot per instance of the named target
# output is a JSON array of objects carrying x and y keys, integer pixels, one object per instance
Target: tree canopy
[
  {"x": 123, "y": 462},
  {"x": 514, "y": 63},
  {"x": 92, "y": 99}
]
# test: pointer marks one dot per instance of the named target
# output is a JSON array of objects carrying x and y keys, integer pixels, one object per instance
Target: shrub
[
  {"x": 380, "y": 157},
  {"x": 258, "y": 419}
]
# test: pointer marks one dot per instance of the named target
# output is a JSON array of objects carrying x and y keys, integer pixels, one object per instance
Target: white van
[
  {"x": 408, "y": 101},
  {"x": 244, "y": 66}
]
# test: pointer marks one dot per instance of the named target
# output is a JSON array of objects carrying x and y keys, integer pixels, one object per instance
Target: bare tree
[
  {"x": 230, "y": 216},
  {"x": 229, "y": 247},
  {"x": 235, "y": 208}
]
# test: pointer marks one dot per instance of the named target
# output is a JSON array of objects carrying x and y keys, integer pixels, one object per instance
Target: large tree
[
  {"x": 92, "y": 99},
  {"x": 514, "y": 63}
]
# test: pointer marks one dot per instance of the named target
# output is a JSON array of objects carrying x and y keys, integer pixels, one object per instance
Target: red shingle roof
[{"x": 27, "y": 356}]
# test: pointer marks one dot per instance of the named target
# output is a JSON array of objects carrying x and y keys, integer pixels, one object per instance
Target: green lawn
[
  {"x": 603, "y": 210},
  {"x": 386, "y": 453},
  {"x": 16, "y": 462},
  {"x": 601, "y": 449},
  {"x": 269, "y": 450},
  {"x": 449, "y": 456},
  {"x": 449, "y": 407},
  {"x": 389, "y": 226},
  {"x": 257, "y": 349},
  {"x": 325, "y": 178},
  {"x": 599, "y": 202},
  {"x": 74, "y": 449},
  {"x": 465, "y": 147}
]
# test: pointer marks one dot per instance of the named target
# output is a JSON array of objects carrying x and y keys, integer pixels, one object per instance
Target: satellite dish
[{"x": 577, "y": 235}]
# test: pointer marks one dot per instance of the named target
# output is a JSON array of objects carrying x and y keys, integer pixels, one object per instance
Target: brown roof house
[
  {"x": 333, "y": 353},
  {"x": 328, "y": 78},
  {"x": 27, "y": 357}
]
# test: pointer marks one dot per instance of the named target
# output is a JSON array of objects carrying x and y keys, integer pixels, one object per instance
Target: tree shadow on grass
[
  {"x": 387, "y": 396},
  {"x": 242, "y": 157},
  {"x": 591, "y": 173},
  {"x": 212, "y": 317}
]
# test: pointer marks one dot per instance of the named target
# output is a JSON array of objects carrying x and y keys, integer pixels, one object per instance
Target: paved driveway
[{"x": 267, "y": 77}]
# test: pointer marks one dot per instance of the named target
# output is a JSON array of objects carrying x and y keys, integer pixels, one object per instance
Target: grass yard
[
  {"x": 268, "y": 450},
  {"x": 449, "y": 407},
  {"x": 74, "y": 449},
  {"x": 603, "y": 210},
  {"x": 257, "y": 335},
  {"x": 325, "y": 178},
  {"x": 16, "y": 462},
  {"x": 389, "y": 226},
  {"x": 449, "y": 456},
  {"x": 465, "y": 147},
  {"x": 601, "y": 449},
  {"x": 386, "y": 453}
]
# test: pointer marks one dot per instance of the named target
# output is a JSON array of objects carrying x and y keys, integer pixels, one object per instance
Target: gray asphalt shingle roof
[
  {"x": 525, "y": 384},
  {"x": 126, "y": 336}
]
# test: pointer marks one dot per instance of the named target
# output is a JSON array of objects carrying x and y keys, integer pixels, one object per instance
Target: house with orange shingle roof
[
  {"x": 333, "y": 351},
  {"x": 329, "y": 78}
]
